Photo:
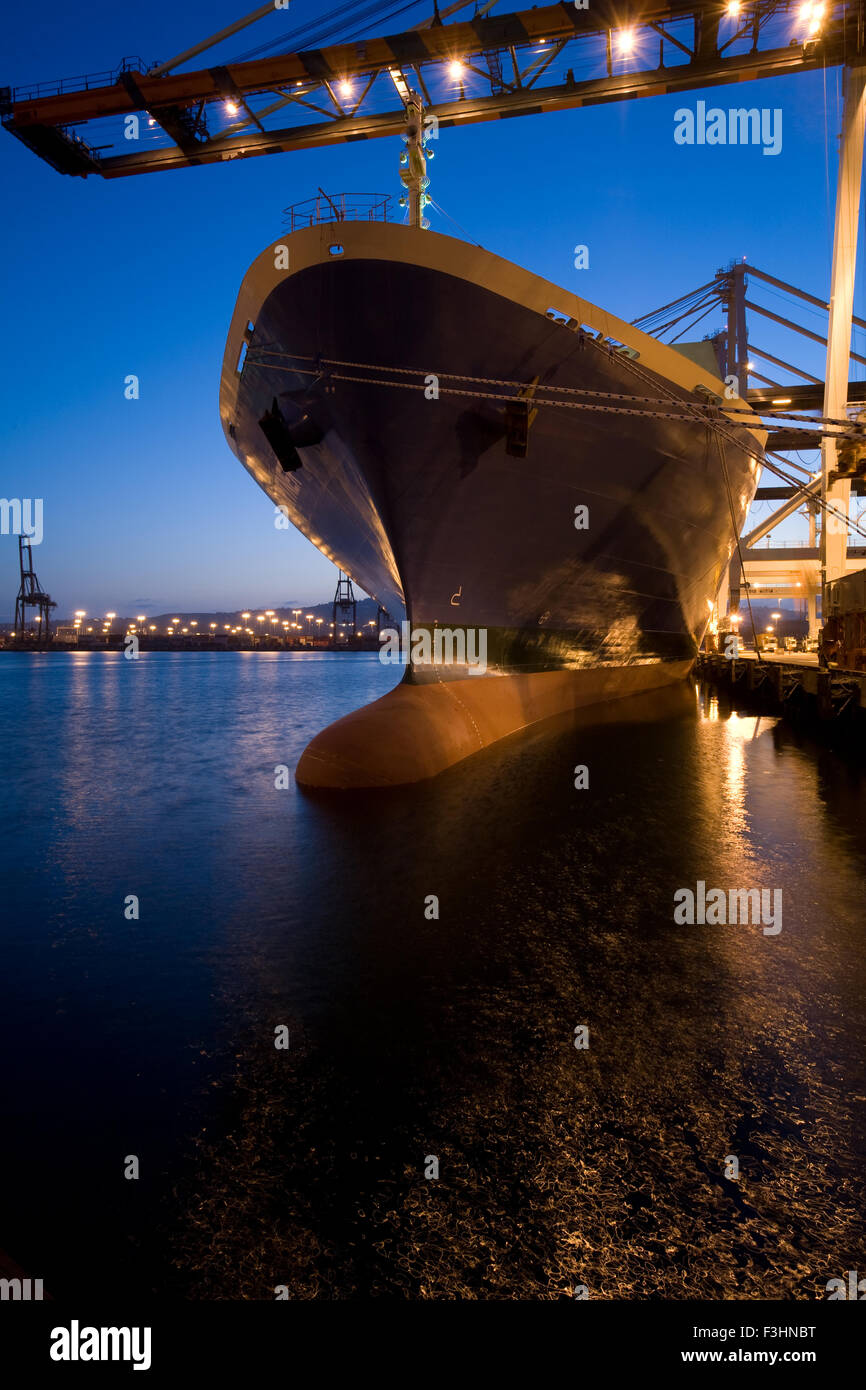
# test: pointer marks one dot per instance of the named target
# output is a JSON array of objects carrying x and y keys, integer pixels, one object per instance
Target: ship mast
[{"x": 413, "y": 173}]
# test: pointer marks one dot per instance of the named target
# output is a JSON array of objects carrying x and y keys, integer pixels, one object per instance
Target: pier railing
[{"x": 338, "y": 207}]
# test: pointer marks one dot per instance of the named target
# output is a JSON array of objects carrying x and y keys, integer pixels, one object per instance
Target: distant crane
[
  {"x": 31, "y": 596},
  {"x": 345, "y": 605}
]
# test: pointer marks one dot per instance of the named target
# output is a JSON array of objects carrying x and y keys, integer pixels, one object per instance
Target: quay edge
[{"x": 828, "y": 701}]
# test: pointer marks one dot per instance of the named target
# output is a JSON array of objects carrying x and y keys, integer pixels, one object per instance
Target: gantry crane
[
  {"x": 792, "y": 412},
  {"x": 486, "y": 68},
  {"x": 345, "y": 607},
  {"x": 30, "y": 595}
]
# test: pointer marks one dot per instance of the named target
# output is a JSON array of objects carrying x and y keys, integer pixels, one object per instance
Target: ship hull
[
  {"x": 595, "y": 558},
  {"x": 419, "y": 729}
]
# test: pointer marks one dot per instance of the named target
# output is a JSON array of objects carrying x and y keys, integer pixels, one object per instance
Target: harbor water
[{"x": 446, "y": 1041}]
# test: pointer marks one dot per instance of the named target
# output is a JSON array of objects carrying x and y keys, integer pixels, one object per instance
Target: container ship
[{"x": 504, "y": 461}]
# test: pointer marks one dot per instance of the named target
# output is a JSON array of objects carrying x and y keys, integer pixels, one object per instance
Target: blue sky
[{"x": 145, "y": 507}]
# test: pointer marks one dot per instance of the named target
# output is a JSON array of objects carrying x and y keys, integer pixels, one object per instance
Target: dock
[{"x": 795, "y": 687}]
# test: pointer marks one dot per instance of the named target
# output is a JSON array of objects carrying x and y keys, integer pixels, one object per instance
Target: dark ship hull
[{"x": 582, "y": 531}]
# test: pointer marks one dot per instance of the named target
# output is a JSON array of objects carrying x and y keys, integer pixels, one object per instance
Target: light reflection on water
[{"x": 413, "y": 1036}]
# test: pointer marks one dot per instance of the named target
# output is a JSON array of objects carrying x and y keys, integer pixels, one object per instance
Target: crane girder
[{"x": 177, "y": 102}]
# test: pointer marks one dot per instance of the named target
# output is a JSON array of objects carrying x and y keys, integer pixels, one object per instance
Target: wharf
[{"x": 793, "y": 685}]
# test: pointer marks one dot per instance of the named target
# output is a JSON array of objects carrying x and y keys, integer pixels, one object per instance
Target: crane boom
[{"x": 679, "y": 49}]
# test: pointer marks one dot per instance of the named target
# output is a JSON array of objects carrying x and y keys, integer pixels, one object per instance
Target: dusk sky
[{"x": 145, "y": 507}]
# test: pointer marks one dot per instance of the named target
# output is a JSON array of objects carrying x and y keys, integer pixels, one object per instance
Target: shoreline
[{"x": 117, "y": 647}]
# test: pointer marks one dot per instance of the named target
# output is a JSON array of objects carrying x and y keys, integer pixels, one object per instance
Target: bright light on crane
[
  {"x": 812, "y": 15},
  {"x": 733, "y": 8},
  {"x": 625, "y": 40},
  {"x": 455, "y": 70},
  {"x": 231, "y": 108},
  {"x": 345, "y": 89},
  {"x": 817, "y": 15},
  {"x": 400, "y": 83}
]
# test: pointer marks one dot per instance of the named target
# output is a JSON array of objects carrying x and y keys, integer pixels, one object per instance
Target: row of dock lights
[
  {"x": 104, "y": 624},
  {"x": 737, "y": 618},
  {"x": 175, "y": 627}
]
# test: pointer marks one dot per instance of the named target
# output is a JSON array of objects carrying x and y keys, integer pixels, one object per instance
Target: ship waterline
[{"x": 366, "y": 389}]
